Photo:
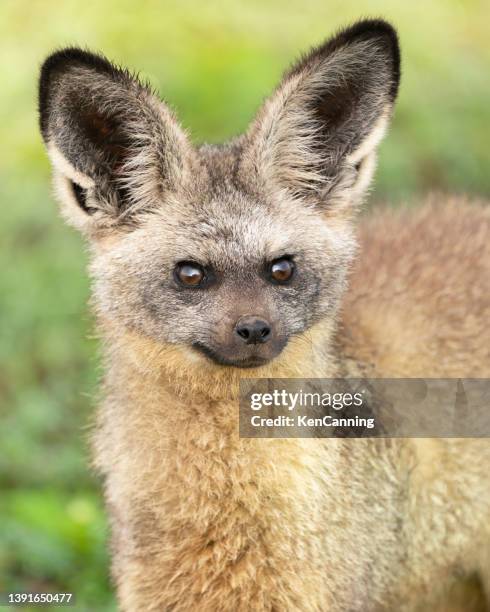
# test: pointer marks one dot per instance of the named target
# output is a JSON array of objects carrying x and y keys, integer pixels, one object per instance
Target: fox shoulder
[{"x": 419, "y": 297}]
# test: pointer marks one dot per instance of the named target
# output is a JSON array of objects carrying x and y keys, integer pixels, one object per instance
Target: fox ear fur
[
  {"x": 316, "y": 136},
  {"x": 114, "y": 146}
]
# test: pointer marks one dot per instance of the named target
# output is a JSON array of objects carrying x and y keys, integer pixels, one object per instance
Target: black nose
[{"x": 253, "y": 330}]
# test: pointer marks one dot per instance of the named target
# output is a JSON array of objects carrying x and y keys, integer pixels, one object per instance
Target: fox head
[{"x": 226, "y": 252}]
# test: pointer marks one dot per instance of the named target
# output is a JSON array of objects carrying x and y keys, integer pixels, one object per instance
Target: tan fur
[
  {"x": 426, "y": 270},
  {"x": 212, "y": 522}
]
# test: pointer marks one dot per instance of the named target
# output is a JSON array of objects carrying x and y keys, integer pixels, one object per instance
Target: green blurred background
[{"x": 214, "y": 62}]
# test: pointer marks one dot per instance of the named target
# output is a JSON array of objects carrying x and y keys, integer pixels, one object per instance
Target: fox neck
[{"x": 154, "y": 392}]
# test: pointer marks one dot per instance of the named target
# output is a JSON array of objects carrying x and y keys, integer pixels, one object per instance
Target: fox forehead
[
  {"x": 222, "y": 218},
  {"x": 230, "y": 228}
]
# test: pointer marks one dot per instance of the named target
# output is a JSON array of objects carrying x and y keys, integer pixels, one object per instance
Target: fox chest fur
[
  {"x": 213, "y": 522},
  {"x": 213, "y": 263}
]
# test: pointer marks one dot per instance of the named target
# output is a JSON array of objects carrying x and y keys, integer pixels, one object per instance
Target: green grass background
[{"x": 214, "y": 62}]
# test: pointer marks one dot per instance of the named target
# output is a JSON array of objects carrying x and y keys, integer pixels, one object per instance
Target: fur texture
[{"x": 201, "y": 519}]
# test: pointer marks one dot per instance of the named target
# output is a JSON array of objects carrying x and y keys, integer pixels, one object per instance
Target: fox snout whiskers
[{"x": 251, "y": 342}]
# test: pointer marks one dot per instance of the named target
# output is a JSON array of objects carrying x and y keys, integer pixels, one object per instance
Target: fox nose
[{"x": 252, "y": 330}]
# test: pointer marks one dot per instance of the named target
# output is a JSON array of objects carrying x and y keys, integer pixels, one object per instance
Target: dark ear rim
[
  {"x": 63, "y": 60},
  {"x": 376, "y": 30}
]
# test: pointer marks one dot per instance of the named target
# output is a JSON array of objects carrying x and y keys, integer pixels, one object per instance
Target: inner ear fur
[
  {"x": 329, "y": 113},
  {"x": 109, "y": 135}
]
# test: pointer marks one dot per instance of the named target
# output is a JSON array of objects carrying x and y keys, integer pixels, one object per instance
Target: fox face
[
  {"x": 229, "y": 275},
  {"x": 227, "y": 251}
]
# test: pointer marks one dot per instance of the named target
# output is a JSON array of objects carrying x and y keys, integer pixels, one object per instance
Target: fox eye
[
  {"x": 282, "y": 270},
  {"x": 189, "y": 274}
]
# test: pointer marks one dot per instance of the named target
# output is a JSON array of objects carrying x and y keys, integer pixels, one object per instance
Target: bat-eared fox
[{"x": 216, "y": 262}]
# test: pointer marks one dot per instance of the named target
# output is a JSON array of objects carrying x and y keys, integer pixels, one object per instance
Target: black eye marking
[
  {"x": 190, "y": 274},
  {"x": 281, "y": 270}
]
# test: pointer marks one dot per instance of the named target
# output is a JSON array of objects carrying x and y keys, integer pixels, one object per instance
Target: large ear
[
  {"x": 115, "y": 148},
  {"x": 317, "y": 135}
]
